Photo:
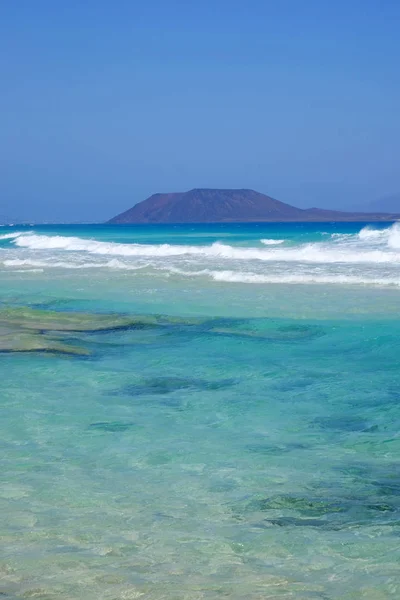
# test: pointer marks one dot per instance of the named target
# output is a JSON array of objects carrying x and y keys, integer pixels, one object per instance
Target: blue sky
[{"x": 104, "y": 103}]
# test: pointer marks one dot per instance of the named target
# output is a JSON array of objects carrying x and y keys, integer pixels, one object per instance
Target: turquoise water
[{"x": 250, "y": 453}]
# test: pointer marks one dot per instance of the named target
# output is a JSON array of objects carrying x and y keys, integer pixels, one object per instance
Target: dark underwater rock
[
  {"x": 27, "y": 329},
  {"x": 293, "y": 385},
  {"x": 333, "y": 515},
  {"x": 167, "y": 385},
  {"x": 388, "y": 486},
  {"x": 341, "y": 423},
  {"x": 305, "y": 506},
  {"x": 331, "y": 525},
  {"x": 36, "y": 330},
  {"x": 46, "y": 320},
  {"x": 375, "y": 481},
  {"x": 372, "y": 429},
  {"x": 35, "y": 342},
  {"x": 266, "y": 330},
  {"x": 113, "y": 426},
  {"x": 383, "y": 508},
  {"x": 299, "y": 522},
  {"x": 274, "y": 449},
  {"x": 296, "y": 331}
]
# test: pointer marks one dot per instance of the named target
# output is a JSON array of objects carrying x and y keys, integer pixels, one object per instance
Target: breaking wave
[
  {"x": 389, "y": 236},
  {"x": 111, "y": 264},
  {"x": 238, "y": 277},
  {"x": 317, "y": 252},
  {"x": 10, "y": 236},
  {"x": 249, "y": 277},
  {"x": 368, "y": 257}
]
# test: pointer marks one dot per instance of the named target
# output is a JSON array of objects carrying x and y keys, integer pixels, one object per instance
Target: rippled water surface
[{"x": 243, "y": 444}]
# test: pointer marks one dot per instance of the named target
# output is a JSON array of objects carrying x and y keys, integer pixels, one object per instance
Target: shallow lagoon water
[{"x": 250, "y": 449}]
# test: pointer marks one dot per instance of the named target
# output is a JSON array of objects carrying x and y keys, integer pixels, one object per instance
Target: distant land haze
[
  {"x": 229, "y": 206},
  {"x": 387, "y": 204}
]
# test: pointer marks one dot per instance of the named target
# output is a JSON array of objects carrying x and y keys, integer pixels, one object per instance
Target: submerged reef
[
  {"x": 166, "y": 385},
  {"x": 337, "y": 513},
  {"x": 266, "y": 329},
  {"x": 27, "y": 329},
  {"x": 50, "y": 320},
  {"x": 34, "y": 330}
]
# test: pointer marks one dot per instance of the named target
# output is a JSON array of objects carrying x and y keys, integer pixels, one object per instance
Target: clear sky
[{"x": 106, "y": 102}]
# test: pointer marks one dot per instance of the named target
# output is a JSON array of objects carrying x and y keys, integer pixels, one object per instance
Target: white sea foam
[
  {"x": 394, "y": 236},
  {"x": 370, "y": 257},
  {"x": 309, "y": 253},
  {"x": 237, "y": 277},
  {"x": 271, "y": 242},
  {"x": 368, "y": 233},
  {"x": 111, "y": 264},
  {"x": 341, "y": 237},
  {"x": 75, "y": 244},
  {"x": 27, "y": 270},
  {"x": 241, "y": 277},
  {"x": 11, "y": 236},
  {"x": 389, "y": 236}
]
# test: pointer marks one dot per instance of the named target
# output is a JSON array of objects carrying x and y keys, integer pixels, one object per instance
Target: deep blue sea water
[{"x": 251, "y": 453}]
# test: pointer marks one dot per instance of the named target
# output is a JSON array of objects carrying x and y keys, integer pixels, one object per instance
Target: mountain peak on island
[
  {"x": 208, "y": 205},
  {"x": 202, "y": 205}
]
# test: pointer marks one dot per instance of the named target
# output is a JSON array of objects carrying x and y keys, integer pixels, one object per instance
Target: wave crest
[
  {"x": 316, "y": 252},
  {"x": 271, "y": 242},
  {"x": 11, "y": 236},
  {"x": 368, "y": 257}
]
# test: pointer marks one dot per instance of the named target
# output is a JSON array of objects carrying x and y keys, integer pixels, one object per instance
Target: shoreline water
[{"x": 248, "y": 448}]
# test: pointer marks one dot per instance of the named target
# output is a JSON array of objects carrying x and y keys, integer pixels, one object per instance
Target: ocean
[{"x": 229, "y": 430}]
